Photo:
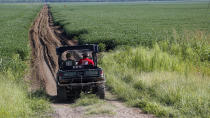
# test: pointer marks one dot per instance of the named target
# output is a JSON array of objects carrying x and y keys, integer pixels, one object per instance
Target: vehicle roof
[{"x": 89, "y": 47}]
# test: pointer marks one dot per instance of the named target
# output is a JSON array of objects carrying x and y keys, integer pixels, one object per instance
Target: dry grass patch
[{"x": 92, "y": 105}]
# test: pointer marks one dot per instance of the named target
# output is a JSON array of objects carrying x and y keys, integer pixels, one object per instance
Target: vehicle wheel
[
  {"x": 100, "y": 91},
  {"x": 61, "y": 93}
]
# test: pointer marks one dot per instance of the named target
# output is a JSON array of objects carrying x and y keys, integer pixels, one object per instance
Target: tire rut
[{"x": 44, "y": 58}]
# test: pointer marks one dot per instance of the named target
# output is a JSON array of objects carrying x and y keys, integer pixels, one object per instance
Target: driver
[
  {"x": 85, "y": 60},
  {"x": 69, "y": 61}
]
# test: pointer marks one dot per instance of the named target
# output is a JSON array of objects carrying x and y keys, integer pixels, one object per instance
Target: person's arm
[{"x": 91, "y": 62}]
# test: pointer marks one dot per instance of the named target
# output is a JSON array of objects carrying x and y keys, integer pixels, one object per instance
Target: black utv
[{"x": 73, "y": 79}]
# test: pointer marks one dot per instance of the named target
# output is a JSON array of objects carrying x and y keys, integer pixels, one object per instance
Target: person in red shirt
[{"x": 86, "y": 60}]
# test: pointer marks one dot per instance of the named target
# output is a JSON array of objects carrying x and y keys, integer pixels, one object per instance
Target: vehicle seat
[{"x": 68, "y": 64}]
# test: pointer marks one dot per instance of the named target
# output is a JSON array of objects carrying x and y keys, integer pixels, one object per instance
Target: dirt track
[{"x": 45, "y": 37}]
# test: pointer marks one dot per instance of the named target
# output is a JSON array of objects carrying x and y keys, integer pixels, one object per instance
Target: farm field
[
  {"x": 160, "y": 61},
  {"x": 129, "y": 24},
  {"x": 15, "y": 100}
]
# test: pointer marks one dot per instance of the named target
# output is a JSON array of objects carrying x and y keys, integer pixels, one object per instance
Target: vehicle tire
[
  {"x": 100, "y": 91},
  {"x": 61, "y": 94}
]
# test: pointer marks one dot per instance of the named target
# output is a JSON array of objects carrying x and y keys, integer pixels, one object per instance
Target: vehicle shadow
[
  {"x": 56, "y": 101},
  {"x": 52, "y": 99}
]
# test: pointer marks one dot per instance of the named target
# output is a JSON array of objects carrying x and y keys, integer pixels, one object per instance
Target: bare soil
[
  {"x": 119, "y": 109},
  {"x": 44, "y": 38}
]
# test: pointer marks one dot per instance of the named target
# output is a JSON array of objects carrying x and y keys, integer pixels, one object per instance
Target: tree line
[{"x": 22, "y": 1}]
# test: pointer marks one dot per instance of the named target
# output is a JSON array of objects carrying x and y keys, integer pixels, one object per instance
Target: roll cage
[{"x": 87, "y": 47}]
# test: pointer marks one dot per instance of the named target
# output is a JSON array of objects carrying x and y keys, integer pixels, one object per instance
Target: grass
[
  {"x": 15, "y": 100},
  {"x": 161, "y": 88},
  {"x": 160, "y": 62},
  {"x": 93, "y": 105}
]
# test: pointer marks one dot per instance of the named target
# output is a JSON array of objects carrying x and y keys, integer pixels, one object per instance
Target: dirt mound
[{"x": 44, "y": 38}]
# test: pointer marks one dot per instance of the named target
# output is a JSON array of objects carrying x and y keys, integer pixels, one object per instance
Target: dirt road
[{"x": 44, "y": 38}]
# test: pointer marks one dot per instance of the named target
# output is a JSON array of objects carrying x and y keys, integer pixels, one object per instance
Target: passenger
[
  {"x": 86, "y": 60},
  {"x": 69, "y": 61}
]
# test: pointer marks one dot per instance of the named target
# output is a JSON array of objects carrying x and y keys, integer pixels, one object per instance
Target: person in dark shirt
[
  {"x": 69, "y": 62},
  {"x": 85, "y": 60}
]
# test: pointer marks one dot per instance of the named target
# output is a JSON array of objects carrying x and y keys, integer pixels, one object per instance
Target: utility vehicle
[{"x": 73, "y": 80}]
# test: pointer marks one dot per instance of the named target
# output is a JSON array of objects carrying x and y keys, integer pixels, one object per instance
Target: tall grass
[
  {"x": 15, "y": 100},
  {"x": 160, "y": 81}
]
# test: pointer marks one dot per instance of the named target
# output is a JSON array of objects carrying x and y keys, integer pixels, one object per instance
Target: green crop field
[
  {"x": 123, "y": 24},
  {"x": 158, "y": 55},
  {"x": 15, "y": 101}
]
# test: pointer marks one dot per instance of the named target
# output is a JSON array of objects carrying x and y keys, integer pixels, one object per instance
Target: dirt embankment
[
  {"x": 44, "y": 38},
  {"x": 43, "y": 44}
]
